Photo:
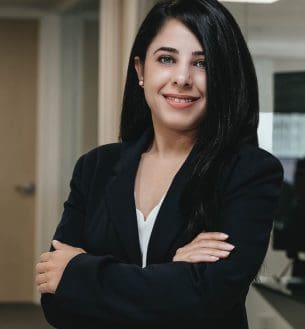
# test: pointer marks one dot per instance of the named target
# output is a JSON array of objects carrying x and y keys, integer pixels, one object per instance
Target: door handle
[{"x": 26, "y": 189}]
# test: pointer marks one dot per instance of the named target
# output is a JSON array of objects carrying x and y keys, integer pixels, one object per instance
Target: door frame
[
  {"x": 56, "y": 150},
  {"x": 59, "y": 142}
]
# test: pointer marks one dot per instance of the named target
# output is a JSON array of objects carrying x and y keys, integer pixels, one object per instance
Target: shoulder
[
  {"x": 103, "y": 151},
  {"x": 106, "y": 154},
  {"x": 249, "y": 164},
  {"x": 253, "y": 157},
  {"x": 96, "y": 164}
]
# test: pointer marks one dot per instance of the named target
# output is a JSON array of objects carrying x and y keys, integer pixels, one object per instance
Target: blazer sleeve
[
  {"x": 103, "y": 288},
  {"x": 69, "y": 231}
]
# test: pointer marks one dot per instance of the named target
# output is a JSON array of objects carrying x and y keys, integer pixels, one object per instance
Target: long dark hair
[{"x": 231, "y": 117}]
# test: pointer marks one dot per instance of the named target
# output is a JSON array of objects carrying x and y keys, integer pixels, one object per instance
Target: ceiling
[
  {"x": 50, "y": 5},
  {"x": 282, "y": 20},
  {"x": 37, "y": 4}
]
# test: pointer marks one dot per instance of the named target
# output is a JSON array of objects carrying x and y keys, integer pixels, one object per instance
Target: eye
[
  {"x": 165, "y": 59},
  {"x": 200, "y": 64}
]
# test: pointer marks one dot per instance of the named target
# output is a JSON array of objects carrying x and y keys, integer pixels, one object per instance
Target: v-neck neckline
[
  {"x": 137, "y": 161},
  {"x": 152, "y": 210}
]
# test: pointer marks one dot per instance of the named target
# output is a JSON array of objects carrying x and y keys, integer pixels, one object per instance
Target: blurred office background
[{"x": 62, "y": 70}]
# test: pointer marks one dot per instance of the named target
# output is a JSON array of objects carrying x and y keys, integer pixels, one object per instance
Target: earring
[{"x": 141, "y": 83}]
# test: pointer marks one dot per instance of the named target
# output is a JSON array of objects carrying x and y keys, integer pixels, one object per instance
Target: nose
[{"x": 182, "y": 76}]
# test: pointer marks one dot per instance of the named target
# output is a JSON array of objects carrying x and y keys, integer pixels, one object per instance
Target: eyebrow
[{"x": 175, "y": 51}]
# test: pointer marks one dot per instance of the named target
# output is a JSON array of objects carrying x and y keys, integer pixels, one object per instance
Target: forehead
[{"x": 176, "y": 35}]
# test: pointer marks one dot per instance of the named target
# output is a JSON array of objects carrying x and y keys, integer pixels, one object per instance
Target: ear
[{"x": 139, "y": 67}]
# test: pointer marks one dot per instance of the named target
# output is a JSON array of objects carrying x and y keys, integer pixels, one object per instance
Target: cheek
[
  {"x": 154, "y": 80},
  {"x": 155, "y": 76},
  {"x": 201, "y": 83}
]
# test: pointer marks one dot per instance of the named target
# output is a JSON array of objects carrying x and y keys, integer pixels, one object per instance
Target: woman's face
[{"x": 174, "y": 78}]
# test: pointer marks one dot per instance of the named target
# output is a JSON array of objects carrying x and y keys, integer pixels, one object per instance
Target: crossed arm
[
  {"x": 206, "y": 247},
  {"x": 192, "y": 286}
]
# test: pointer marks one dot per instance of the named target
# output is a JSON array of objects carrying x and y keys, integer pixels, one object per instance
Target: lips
[
  {"x": 180, "y": 101},
  {"x": 179, "y": 98}
]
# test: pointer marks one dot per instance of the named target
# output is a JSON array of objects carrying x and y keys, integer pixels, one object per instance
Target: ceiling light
[{"x": 251, "y": 1}]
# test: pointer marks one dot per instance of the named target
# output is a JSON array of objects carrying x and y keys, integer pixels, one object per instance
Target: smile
[{"x": 180, "y": 101}]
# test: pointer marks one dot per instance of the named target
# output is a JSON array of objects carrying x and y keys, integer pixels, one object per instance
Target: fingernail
[
  {"x": 231, "y": 247},
  {"x": 224, "y": 235}
]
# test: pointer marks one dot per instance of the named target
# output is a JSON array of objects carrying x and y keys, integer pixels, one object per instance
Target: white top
[{"x": 145, "y": 227}]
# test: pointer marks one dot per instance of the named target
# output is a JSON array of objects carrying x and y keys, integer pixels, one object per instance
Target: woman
[{"x": 188, "y": 177}]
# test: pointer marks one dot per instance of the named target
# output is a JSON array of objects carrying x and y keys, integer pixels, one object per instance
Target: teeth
[{"x": 180, "y": 100}]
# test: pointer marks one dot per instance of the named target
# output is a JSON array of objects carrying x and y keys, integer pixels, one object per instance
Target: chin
[
  {"x": 180, "y": 126},
  {"x": 178, "y": 120}
]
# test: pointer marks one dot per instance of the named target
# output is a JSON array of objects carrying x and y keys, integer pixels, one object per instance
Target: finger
[
  {"x": 207, "y": 244},
  {"x": 206, "y": 251},
  {"x": 212, "y": 252},
  {"x": 58, "y": 245},
  {"x": 43, "y": 288},
  {"x": 41, "y": 268},
  {"x": 195, "y": 258},
  {"x": 211, "y": 236},
  {"x": 45, "y": 257},
  {"x": 41, "y": 278},
  {"x": 210, "y": 244}
]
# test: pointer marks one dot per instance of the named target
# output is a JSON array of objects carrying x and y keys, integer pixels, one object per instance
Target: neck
[{"x": 171, "y": 143}]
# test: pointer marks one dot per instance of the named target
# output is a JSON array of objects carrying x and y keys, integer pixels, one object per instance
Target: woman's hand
[
  {"x": 52, "y": 265},
  {"x": 206, "y": 247}
]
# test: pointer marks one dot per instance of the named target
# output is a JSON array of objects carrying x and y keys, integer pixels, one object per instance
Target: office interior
[{"x": 62, "y": 71}]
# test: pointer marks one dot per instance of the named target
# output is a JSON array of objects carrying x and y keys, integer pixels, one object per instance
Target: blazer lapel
[
  {"x": 120, "y": 197},
  {"x": 170, "y": 222}
]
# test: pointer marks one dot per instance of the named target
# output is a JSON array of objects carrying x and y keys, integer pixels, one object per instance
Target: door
[{"x": 18, "y": 98}]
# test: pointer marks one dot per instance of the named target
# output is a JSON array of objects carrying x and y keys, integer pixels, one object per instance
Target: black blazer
[{"x": 108, "y": 288}]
